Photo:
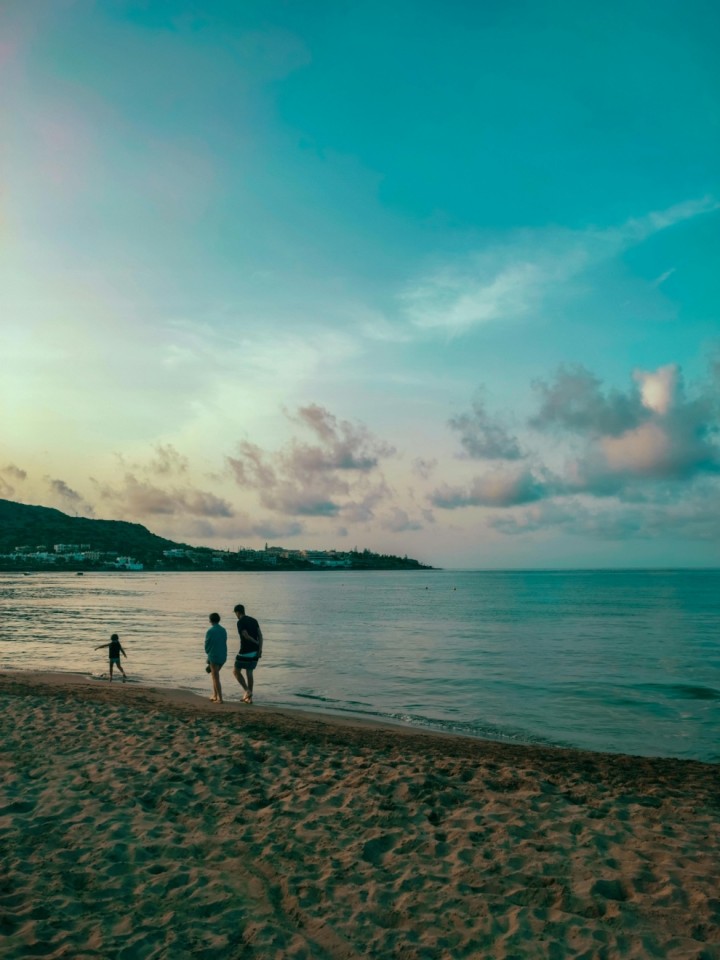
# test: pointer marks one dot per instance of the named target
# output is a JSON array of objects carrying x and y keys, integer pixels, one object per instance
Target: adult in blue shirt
[{"x": 216, "y": 650}]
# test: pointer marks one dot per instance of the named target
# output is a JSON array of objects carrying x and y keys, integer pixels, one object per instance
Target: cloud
[
  {"x": 485, "y": 438},
  {"x": 663, "y": 277},
  {"x": 574, "y": 401},
  {"x": 167, "y": 461},
  {"x": 398, "y": 521},
  {"x": 67, "y": 498},
  {"x": 138, "y": 498},
  {"x": 344, "y": 446},
  {"x": 320, "y": 479},
  {"x": 16, "y": 473},
  {"x": 513, "y": 277},
  {"x": 424, "y": 468},
  {"x": 241, "y": 527},
  {"x": 647, "y": 444},
  {"x": 637, "y": 230},
  {"x": 657, "y": 390},
  {"x": 696, "y": 518},
  {"x": 497, "y": 489},
  {"x": 8, "y": 489},
  {"x": 60, "y": 488},
  {"x": 458, "y": 298},
  {"x": 363, "y": 508},
  {"x": 650, "y": 431}
]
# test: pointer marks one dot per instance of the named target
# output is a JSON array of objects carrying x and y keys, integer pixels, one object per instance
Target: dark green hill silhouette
[
  {"x": 30, "y": 529},
  {"x": 22, "y": 525}
]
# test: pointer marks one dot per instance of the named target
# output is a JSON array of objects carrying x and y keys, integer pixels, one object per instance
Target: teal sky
[{"x": 428, "y": 278}]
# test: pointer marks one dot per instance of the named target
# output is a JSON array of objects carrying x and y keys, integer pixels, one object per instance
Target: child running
[{"x": 114, "y": 651}]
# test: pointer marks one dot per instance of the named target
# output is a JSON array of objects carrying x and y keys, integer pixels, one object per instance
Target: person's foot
[
  {"x": 247, "y": 698},
  {"x": 213, "y": 699}
]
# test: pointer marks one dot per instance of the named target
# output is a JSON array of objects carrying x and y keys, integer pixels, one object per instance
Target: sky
[{"x": 432, "y": 277}]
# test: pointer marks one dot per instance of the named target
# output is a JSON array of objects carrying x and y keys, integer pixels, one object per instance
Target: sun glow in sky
[{"x": 435, "y": 278}]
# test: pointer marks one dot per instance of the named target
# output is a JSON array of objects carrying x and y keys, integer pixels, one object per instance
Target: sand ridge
[{"x": 141, "y": 823}]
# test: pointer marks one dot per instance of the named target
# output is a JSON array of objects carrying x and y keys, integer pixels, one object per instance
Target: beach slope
[{"x": 144, "y": 823}]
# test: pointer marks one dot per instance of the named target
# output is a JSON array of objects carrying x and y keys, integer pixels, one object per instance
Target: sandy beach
[{"x": 138, "y": 823}]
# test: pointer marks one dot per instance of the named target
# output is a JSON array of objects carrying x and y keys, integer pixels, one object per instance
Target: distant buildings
[
  {"x": 269, "y": 555},
  {"x": 73, "y": 553}
]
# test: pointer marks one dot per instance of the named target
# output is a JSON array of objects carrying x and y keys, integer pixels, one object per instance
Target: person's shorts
[
  {"x": 245, "y": 663},
  {"x": 115, "y": 661}
]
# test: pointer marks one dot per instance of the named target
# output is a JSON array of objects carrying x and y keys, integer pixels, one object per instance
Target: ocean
[{"x": 618, "y": 661}]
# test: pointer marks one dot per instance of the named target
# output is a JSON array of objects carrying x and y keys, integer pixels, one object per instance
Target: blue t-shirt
[{"x": 216, "y": 644}]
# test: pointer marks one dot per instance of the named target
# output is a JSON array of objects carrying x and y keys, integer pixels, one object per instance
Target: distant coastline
[
  {"x": 34, "y": 538},
  {"x": 380, "y": 563}
]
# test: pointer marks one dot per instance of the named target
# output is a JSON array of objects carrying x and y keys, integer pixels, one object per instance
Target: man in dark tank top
[{"x": 250, "y": 650}]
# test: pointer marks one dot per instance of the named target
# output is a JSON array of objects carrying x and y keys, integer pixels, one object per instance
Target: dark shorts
[
  {"x": 245, "y": 663},
  {"x": 115, "y": 660}
]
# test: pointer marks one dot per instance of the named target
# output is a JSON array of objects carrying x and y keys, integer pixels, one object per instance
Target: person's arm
[
  {"x": 102, "y": 646},
  {"x": 255, "y": 641},
  {"x": 122, "y": 651}
]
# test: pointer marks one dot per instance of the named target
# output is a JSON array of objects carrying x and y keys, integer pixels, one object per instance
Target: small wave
[
  {"x": 419, "y": 722},
  {"x": 316, "y": 696},
  {"x": 683, "y": 691},
  {"x": 697, "y": 693}
]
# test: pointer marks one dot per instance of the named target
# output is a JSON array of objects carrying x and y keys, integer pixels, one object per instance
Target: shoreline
[
  {"x": 146, "y": 823},
  {"x": 98, "y": 688},
  {"x": 329, "y": 715}
]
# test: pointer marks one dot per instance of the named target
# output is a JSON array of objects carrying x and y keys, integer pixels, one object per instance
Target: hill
[
  {"x": 29, "y": 534},
  {"x": 22, "y": 525}
]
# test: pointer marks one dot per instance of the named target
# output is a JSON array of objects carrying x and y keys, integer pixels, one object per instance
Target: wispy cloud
[
  {"x": 515, "y": 275},
  {"x": 483, "y": 436},
  {"x": 67, "y": 498},
  {"x": 168, "y": 461},
  {"x": 10, "y": 477},
  {"x": 133, "y": 498},
  {"x": 663, "y": 277}
]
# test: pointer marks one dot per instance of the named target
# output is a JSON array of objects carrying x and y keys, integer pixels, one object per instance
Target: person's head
[
  {"x": 239, "y": 610},
  {"x": 114, "y": 636},
  {"x": 214, "y": 618}
]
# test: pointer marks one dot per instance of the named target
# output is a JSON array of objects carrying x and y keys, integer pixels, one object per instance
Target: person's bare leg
[
  {"x": 240, "y": 679},
  {"x": 111, "y": 670},
  {"x": 248, "y": 696},
  {"x": 217, "y": 687},
  {"x": 122, "y": 672}
]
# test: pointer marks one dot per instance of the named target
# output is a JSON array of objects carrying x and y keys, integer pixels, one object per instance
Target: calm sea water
[{"x": 622, "y": 661}]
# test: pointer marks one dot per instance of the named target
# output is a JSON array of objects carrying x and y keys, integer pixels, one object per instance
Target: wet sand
[{"x": 137, "y": 822}]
